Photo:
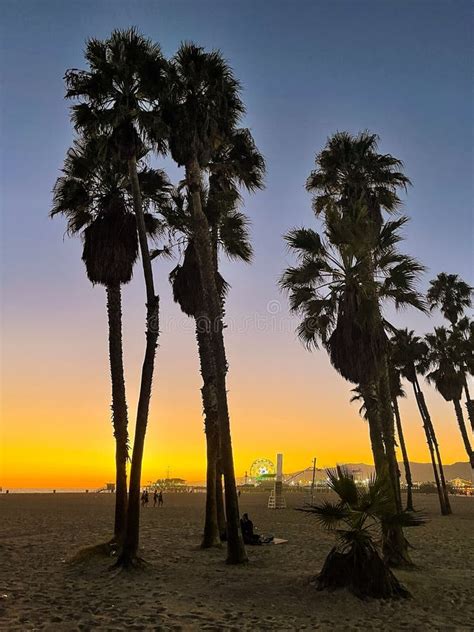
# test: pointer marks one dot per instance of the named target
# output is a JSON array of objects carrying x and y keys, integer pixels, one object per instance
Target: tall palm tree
[
  {"x": 407, "y": 353},
  {"x": 202, "y": 110},
  {"x": 237, "y": 162},
  {"x": 442, "y": 364},
  {"x": 453, "y": 296},
  {"x": 119, "y": 95},
  {"x": 341, "y": 304},
  {"x": 351, "y": 178},
  {"x": 94, "y": 195}
]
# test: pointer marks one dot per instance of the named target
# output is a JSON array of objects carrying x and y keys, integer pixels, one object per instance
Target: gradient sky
[{"x": 401, "y": 69}]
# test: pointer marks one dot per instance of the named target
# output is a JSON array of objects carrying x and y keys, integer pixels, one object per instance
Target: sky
[{"x": 400, "y": 69}]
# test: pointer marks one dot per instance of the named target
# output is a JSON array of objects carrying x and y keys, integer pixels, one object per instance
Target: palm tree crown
[
  {"x": 451, "y": 294},
  {"x": 120, "y": 92},
  {"x": 203, "y": 105},
  {"x": 350, "y": 169},
  {"x": 94, "y": 195},
  {"x": 334, "y": 295},
  {"x": 236, "y": 163},
  {"x": 407, "y": 352},
  {"x": 442, "y": 364}
]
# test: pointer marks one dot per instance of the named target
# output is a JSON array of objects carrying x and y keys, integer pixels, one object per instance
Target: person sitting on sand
[{"x": 248, "y": 535}]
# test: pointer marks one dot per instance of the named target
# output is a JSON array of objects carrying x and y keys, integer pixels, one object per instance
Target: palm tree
[
  {"x": 202, "y": 110},
  {"x": 237, "y": 162},
  {"x": 452, "y": 296},
  {"x": 340, "y": 305},
  {"x": 356, "y": 519},
  {"x": 352, "y": 178},
  {"x": 407, "y": 353},
  {"x": 93, "y": 194},
  {"x": 442, "y": 362},
  {"x": 119, "y": 95}
]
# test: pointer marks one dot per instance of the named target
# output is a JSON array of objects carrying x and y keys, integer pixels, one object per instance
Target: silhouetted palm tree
[
  {"x": 94, "y": 195},
  {"x": 202, "y": 111},
  {"x": 442, "y": 364},
  {"x": 357, "y": 520},
  {"x": 340, "y": 304},
  {"x": 407, "y": 353},
  {"x": 237, "y": 162},
  {"x": 352, "y": 178},
  {"x": 453, "y": 296},
  {"x": 119, "y": 95}
]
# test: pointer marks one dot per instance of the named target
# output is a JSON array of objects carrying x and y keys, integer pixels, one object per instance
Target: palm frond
[
  {"x": 342, "y": 482},
  {"x": 407, "y": 519},
  {"x": 328, "y": 514},
  {"x": 305, "y": 242}
]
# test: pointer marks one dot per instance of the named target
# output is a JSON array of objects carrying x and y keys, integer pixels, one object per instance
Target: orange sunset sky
[{"x": 56, "y": 429}]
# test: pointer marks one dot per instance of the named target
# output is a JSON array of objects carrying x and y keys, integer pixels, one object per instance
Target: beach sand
[{"x": 185, "y": 588}]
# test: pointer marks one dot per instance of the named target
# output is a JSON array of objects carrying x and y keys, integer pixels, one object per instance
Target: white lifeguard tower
[{"x": 277, "y": 500}]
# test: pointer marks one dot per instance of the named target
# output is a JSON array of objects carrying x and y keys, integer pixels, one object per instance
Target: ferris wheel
[{"x": 261, "y": 468}]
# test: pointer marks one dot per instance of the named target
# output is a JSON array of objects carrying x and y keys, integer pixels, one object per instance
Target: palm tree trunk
[
  {"x": 403, "y": 447},
  {"x": 235, "y": 546},
  {"x": 130, "y": 546},
  {"x": 221, "y": 520},
  {"x": 388, "y": 427},
  {"x": 119, "y": 407},
  {"x": 432, "y": 442},
  {"x": 395, "y": 546},
  {"x": 469, "y": 403},
  {"x": 375, "y": 430},
  {"x": 214, "y": 524},
  {"x": 463, "y": 429},
  {"x": 436, "y": 448},
  {"x": 211, "y": 535}
]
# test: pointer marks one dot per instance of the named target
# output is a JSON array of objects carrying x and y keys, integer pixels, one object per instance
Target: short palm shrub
[{"x": 355, "y": 562}]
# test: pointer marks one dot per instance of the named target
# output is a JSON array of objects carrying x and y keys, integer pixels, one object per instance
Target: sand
[{"x": 188, "y": 589}]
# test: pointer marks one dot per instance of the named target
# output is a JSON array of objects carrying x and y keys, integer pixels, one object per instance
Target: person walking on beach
[
  {"x": 160, "y": 499},
  {"x": 155, "y": 497}
]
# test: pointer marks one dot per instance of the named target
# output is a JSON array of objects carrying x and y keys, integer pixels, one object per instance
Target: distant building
[
  {"x": 170, "y": 484},
  {"x": 462, "y": 486}
]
